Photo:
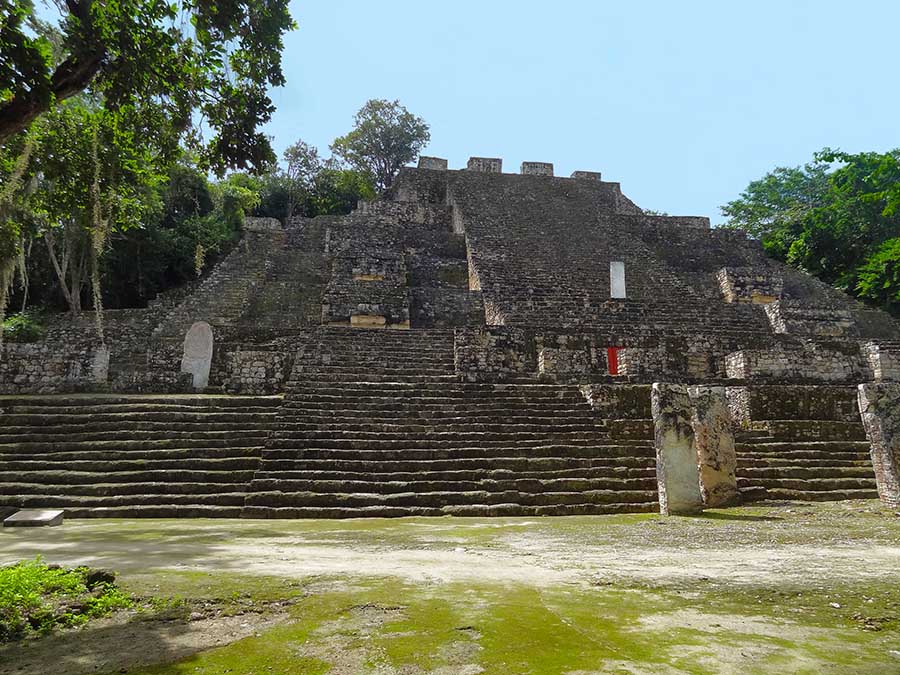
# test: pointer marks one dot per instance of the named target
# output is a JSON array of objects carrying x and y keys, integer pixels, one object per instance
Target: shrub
[
  {"x": 36, "y": 597},
  {"x": 22, "y": 328}
]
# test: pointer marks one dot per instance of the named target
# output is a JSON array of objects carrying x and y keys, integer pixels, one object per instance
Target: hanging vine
[
  {"x": 99, "y": 234},
  {"x": 12, "y": 250}
]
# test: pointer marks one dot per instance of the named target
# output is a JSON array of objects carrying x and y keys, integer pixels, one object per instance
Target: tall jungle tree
[{"x": 385, "y": 136}]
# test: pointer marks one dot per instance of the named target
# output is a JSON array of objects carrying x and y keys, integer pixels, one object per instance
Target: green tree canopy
[
  {"x": 837, "y": 218},
  {"x": 198, "y": 65},
  {"x": 385, "y": 136}
]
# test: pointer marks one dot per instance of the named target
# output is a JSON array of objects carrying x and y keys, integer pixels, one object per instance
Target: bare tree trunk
[{"x": 70, "y": 276}]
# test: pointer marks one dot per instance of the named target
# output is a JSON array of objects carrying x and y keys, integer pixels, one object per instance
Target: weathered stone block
[
  {"x": 434, "y": 163},
  {"x": 617, "y": 279},
  {"x": 198, "y": 350},
  {"x": 35, "y": 518},
  {"x": 884, "y": 359},
  {"x": 587, "y": 175},
  {"x": 677, "y": 472},
  {"x": 485, "y": 164},
  {"x": 750, "y": 285},
  {"x": 563, "y": 361},
  {"x": 879, "y": 406},
  {"x": 714, "y": 444},
  {"x": 537, "y": 169}
]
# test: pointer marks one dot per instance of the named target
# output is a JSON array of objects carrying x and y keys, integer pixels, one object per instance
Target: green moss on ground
[{"x": 390, "y": 626}]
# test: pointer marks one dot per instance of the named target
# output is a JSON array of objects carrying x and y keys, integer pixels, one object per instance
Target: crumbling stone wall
[
  {"x": 749, "y": 403},
  {"x": 796, "y": 318},
  {"x": 801, "y": 361},
  {"x": 884, "y": 360},
  {"x": 257, "y": 371},
  {"x": 46, "y": 368},
  {"x": 757, "y": 285}
]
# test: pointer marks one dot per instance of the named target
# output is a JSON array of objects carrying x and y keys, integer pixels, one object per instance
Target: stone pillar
[
  {"x": 677, "y": 473},
  {"x": 714, "y": 443},
  {"x": 434, "y": 163},
  {"x": 879, "y": 405},
  {"x": 537, "y": 169},
  {"x": 617, "y": 279},
  {"x": 198, "y": 349},
  {"x": 100, "y": 365},
  {"x": 485, "y": 164}
]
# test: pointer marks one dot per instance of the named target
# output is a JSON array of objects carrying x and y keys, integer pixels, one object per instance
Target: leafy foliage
[
  {"x": 189, "y": 64},
  {"x": 385, "y": 136},
  {"x": 35, "y": 597},
  {"x": 22, "y": 328},
  {"x": 835, "y": 218}
]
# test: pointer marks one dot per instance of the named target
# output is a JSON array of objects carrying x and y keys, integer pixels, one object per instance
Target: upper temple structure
[{"x": 475, "y": 343}]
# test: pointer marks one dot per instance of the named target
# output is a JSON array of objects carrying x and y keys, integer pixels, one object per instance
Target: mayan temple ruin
[{"x": 473, "y": 343}]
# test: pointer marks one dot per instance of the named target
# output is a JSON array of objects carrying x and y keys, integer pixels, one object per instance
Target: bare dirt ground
[{"x": 794, "y": 587}]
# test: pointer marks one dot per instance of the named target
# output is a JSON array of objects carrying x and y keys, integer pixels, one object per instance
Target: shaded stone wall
[
  {"x": 257, "y": 371},
  {"x": 792, "y": 402},
  {"x": 802, "y": 361},
  {"x": 879, "y": 406}
]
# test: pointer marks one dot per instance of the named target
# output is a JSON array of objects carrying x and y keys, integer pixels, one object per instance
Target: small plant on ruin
[
  {"x": 36, "y": 597},
  {"x": 22, "y": 328}
]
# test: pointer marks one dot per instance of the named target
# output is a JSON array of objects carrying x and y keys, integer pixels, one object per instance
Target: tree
[
  {"x": 338, "y": 191},
  {"x": 834, "y": 218},
  {"x": 91, "y": 175},
  {"x": 385, "y": 136},
  {"x": 196, "y": 63}
]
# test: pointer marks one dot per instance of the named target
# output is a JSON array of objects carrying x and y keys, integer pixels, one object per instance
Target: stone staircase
[
  {"x": 290, "y": 297},
  {"x": 806, "y": 460},
  {"x": 224, "y": 295},
  {"x": 125, "y": 456},
  {"x": 377, "y": 424}
]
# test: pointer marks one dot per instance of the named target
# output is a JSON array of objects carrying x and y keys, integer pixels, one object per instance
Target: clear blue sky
[{"x": 682, "y": 102}]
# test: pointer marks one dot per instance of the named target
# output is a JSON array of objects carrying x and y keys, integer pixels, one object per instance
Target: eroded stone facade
[{"x": 545, "y": 308}]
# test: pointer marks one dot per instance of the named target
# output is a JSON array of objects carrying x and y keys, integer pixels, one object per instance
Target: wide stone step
[
  {"x": 806, "y": 472},
  {"x": 471, "y": 510},
  {"x": 777, "y": 462},
  {"x": 440, "y": 391},
  {"x": 136, "y": 464},
  {"x": 90, "y": 431},
  {"x": 439, "y": 499},
  {"x": 301, "y": 468},
  {"x": 437, "y": 437},
  {"x": 446, "y": 425},
  {"x": 184, "y": 475},
  {"x": 811, "y": 484},
  {"x": 782, "y": 494},
  {"x": 68, "y": 403},
  {"x": 815, "y": 430},
  {"x": 27, "y": 501},
  {"x": 73, "y": 421},
  {"x": 149, "y": 444},
  {"x": 170, "y": 454},
  {"x": 422, "y": 485},
  {"x": 618, "y": 471},
  {"x": 395, "y": 412},
  {"x": 429, "y": 451},
  {"x": 461, "y": 453},
  {"x": 485, "y": 443},
  {"x": 113, "y": 489},
  {"x": 155, "y": 511}
]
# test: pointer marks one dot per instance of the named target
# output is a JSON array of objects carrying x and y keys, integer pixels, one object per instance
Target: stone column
[
  {"x": 879, "y": 405},
  {"x": 677, "y": 473},
  {"x": 714, "y": 443}
]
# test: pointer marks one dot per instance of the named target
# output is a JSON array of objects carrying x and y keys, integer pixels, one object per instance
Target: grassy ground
[{"x": 794, "y": 588}]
